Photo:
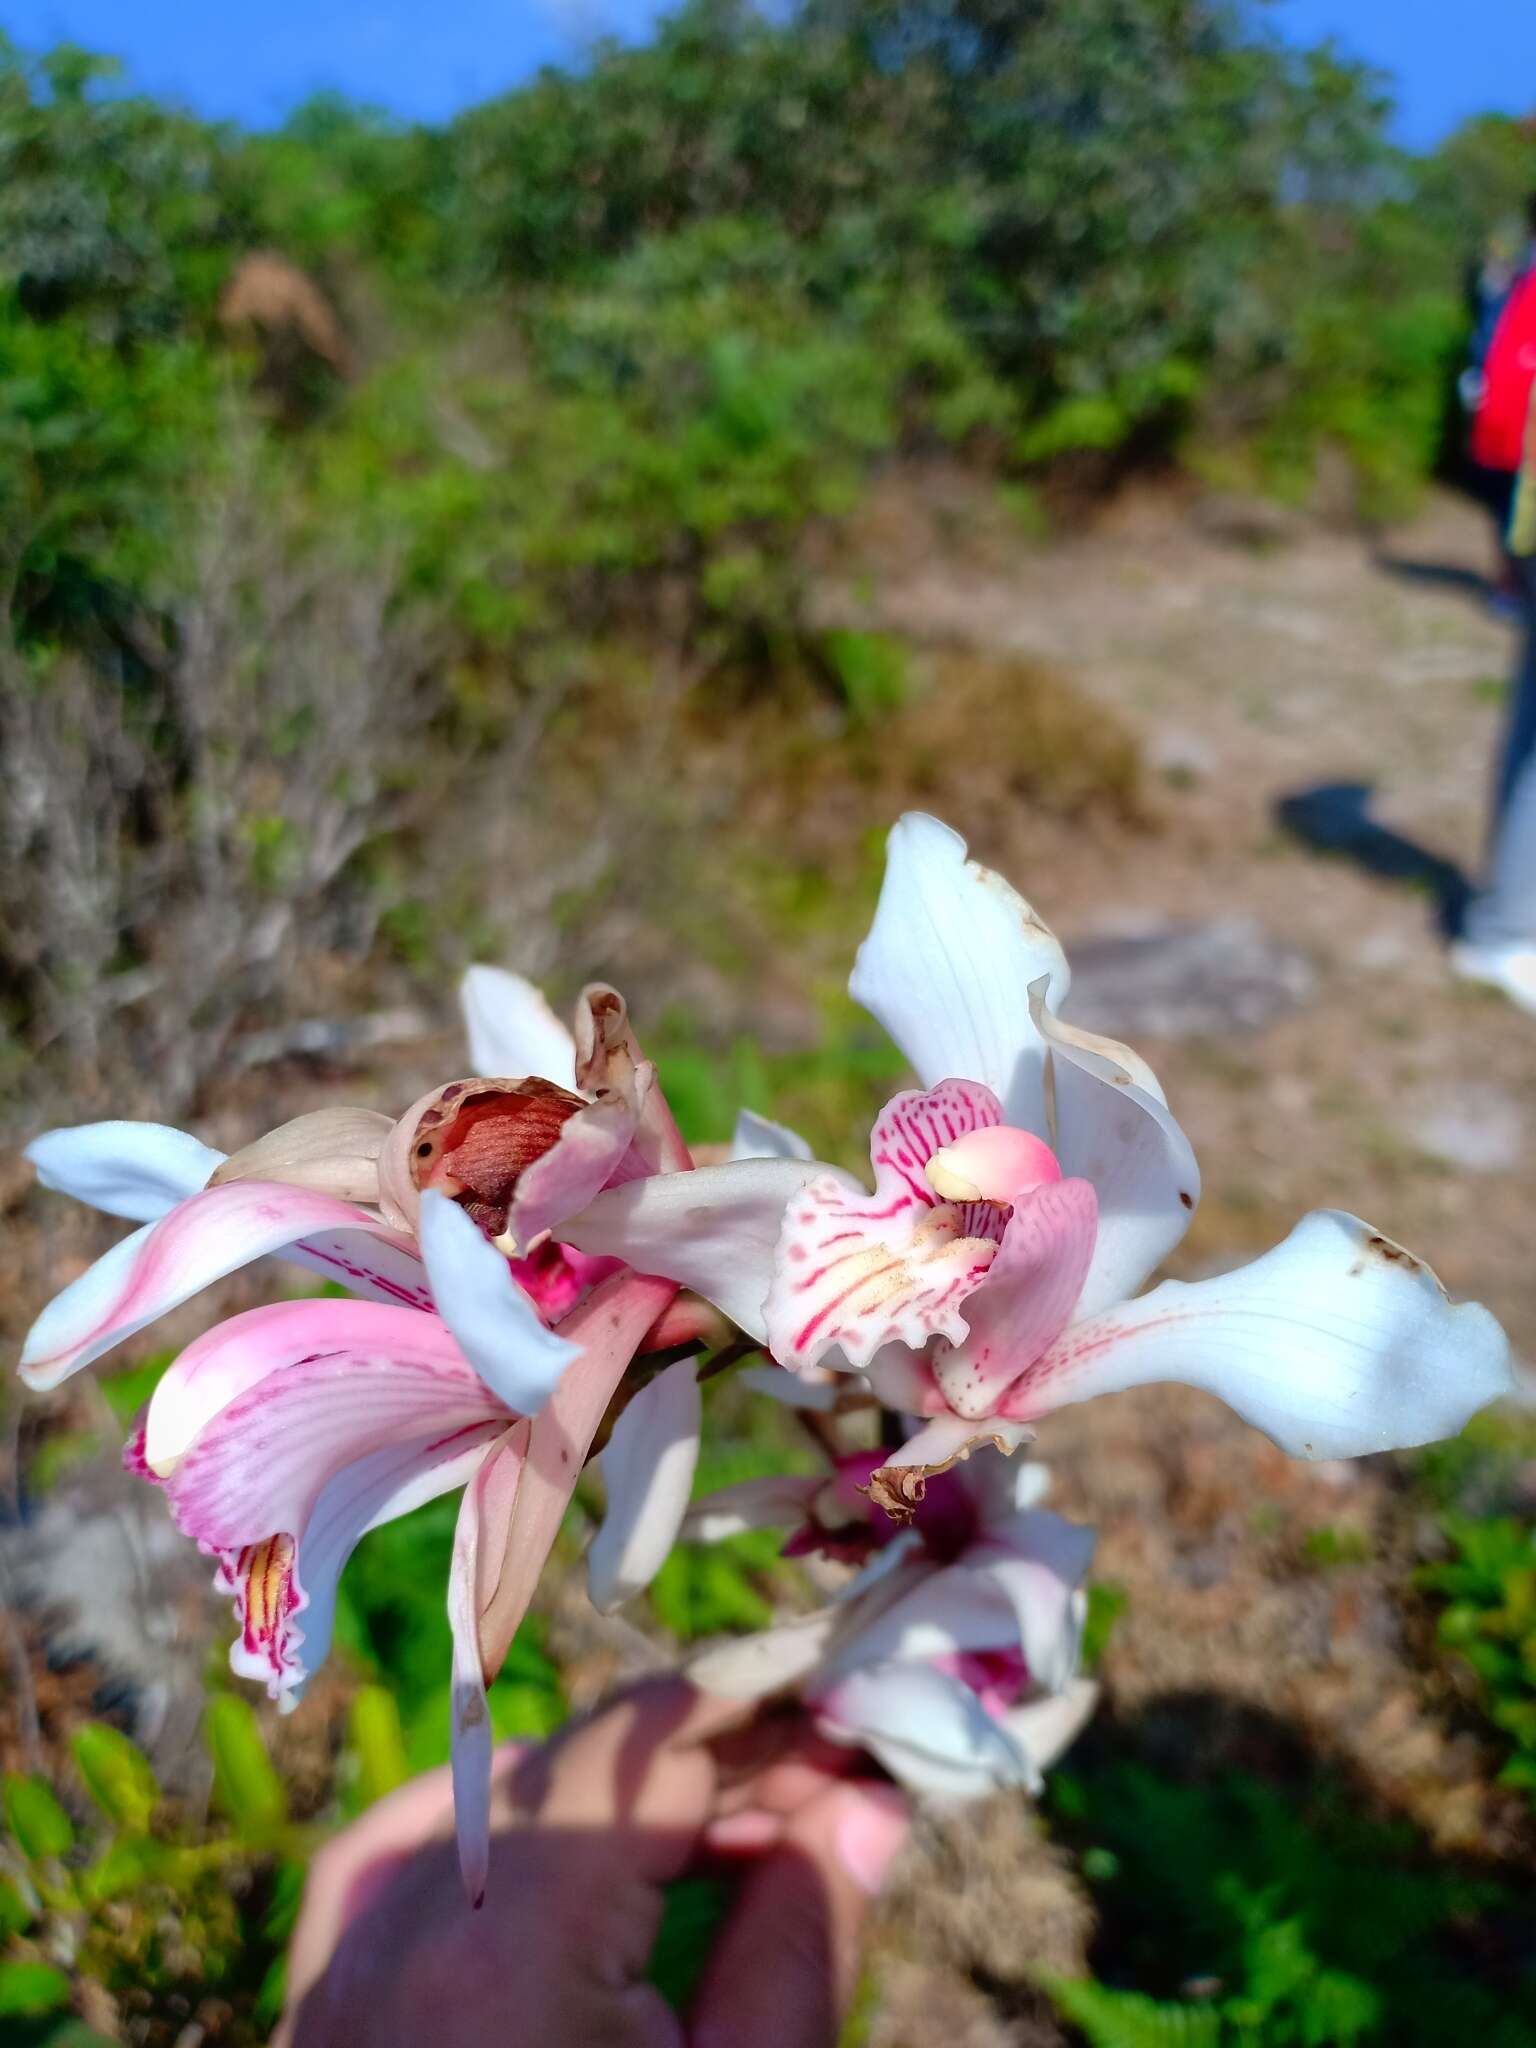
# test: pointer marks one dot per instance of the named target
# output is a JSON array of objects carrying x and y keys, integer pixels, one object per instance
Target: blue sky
[{"x": 254, "y": 59}]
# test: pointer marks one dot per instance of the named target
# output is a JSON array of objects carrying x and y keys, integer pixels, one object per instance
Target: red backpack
[{"x": 1509, "y": 370}]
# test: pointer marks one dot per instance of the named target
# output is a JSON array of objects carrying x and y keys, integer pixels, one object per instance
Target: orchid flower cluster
[{"x": 527, "y": 1252}]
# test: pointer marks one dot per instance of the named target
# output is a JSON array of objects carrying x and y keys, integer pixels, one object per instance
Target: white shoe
[{"x": 1509, "y": 968}]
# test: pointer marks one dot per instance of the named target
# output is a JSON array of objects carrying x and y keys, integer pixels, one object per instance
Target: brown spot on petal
[
  {"x": 1379, "y": 1247},
  {"x": 1394, "y": 1254}
]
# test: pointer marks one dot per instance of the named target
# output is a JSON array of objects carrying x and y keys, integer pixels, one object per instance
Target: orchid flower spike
[
  {"x": 283, "y": 1434},
  {"x": 1022, "y": 1197}
]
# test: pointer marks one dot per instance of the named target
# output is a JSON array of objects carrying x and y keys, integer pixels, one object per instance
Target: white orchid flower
[
  {"x": 483, "y": 1352},
  {"x": 1022, "y": 1198},
  {"x": 952, "y": 1657}
]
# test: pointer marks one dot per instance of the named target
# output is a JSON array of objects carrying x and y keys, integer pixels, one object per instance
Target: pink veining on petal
[
  {"x": 200, "y": 1241},
  {"x": 348, "y": 1379},
  {"x": 1045, "y": 1384},
  {"x": 134, "y": 1460},
  {"x": 857, "y": 1271},
  {"x": 1023, "y": 1304}
]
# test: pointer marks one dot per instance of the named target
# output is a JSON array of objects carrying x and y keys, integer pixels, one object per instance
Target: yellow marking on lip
[{"x": 268, "y": 1574}]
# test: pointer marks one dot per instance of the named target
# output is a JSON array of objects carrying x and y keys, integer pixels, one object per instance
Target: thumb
[{"x": 783, "y": 1971}]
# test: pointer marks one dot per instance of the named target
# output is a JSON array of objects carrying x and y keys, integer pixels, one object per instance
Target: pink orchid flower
[
  {"x": 480, "y": 1353},
  {"x": 1021, "y": 1199},
  {"x": 952, "y": 1656}
]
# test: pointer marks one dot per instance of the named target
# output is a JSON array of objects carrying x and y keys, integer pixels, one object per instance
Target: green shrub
[{"x": 1488, "y": 1586}]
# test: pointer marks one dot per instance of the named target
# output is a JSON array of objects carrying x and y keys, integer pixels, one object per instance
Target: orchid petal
[
  {"x": 713, "y": 1230},
  {"x": 609, "y": 1062},
  {"x": 347, "y": 1380},
  {"x": 782, "y": 1500},
  {"x": 494, "y": 1323},
  {"x": 1046, "y": 1727},
  {"x": 367, "y": 1494},
  {"x": 471, "y": 1731},
  {"x": 587, "y": 1155},
  {"x": 647, "y": 1467},
  {"x": 1040, "y": 1560},
  {"x": 947, "y": 966},
  {"x": 759, "y": 1137},
  {"x": 944, "y": 1609},
  {"x": 1003, "y": 1486},
  {"x": 1334, "y": 1344},
  {"x": 201, "y": 1240},
  {"x": 856, "y": 1271},
  {"x": 929, "y": 1731},
  {"x": 608, "y": 1326},
  {"x": 285, "y": 1592},
  {"x": 331, "y": 1151},
  {"x": 512, "y": 1029},
  {"x": 215, "y": 1369},
  {"x": 774, "y": 1659},
  {"x": 1114, "y": 1129},
  {"x": 1023, "y": 1302},
  {"x": 125, "y": 1169},
  {"x": 769, "y": 1661}
]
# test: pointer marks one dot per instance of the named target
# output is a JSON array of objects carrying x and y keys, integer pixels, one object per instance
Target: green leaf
[
  {"x": 131, "y": 1862},
  {"x": 1129, "y": 2019},
  {"x": 1107, "y": 1601},
  {"x": 117, "y": 1775},
  {"x": 15, "y": 1912},
  {"x": 30, "y": 1988},
  {"x": 246, "y": 1787},
  {"x": 127, "y": 1392},
  {"x": 377, "y": 1744},
  {"x": 41, "y": 1827}
]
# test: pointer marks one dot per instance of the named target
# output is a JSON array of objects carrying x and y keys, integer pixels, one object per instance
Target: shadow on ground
[
  {"x": 1334, "y": 818},
  {"x": 1452, "y": 576},
  {"x": 1235, "y": 1869}
]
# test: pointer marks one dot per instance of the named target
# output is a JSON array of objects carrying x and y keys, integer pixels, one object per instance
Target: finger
[
  {"x": 791, "y": 1780},
  {"x": 783, "y": 1970},
  {"x": 744, "y": 1753},
  {"x": 640, "y": 1769},
  {"x": 354, "y": 1867}
]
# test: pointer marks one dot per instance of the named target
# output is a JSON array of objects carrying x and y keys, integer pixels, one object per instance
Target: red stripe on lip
[{"x": 836, "y": 1303}]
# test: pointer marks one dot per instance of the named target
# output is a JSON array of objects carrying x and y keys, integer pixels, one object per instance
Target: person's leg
[
  {"x": 1520, "y": 723},
  {"x": 1498, "y": 941}
]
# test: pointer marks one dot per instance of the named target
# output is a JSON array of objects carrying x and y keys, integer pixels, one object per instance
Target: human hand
[{"x": 587, "y": 1832}]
